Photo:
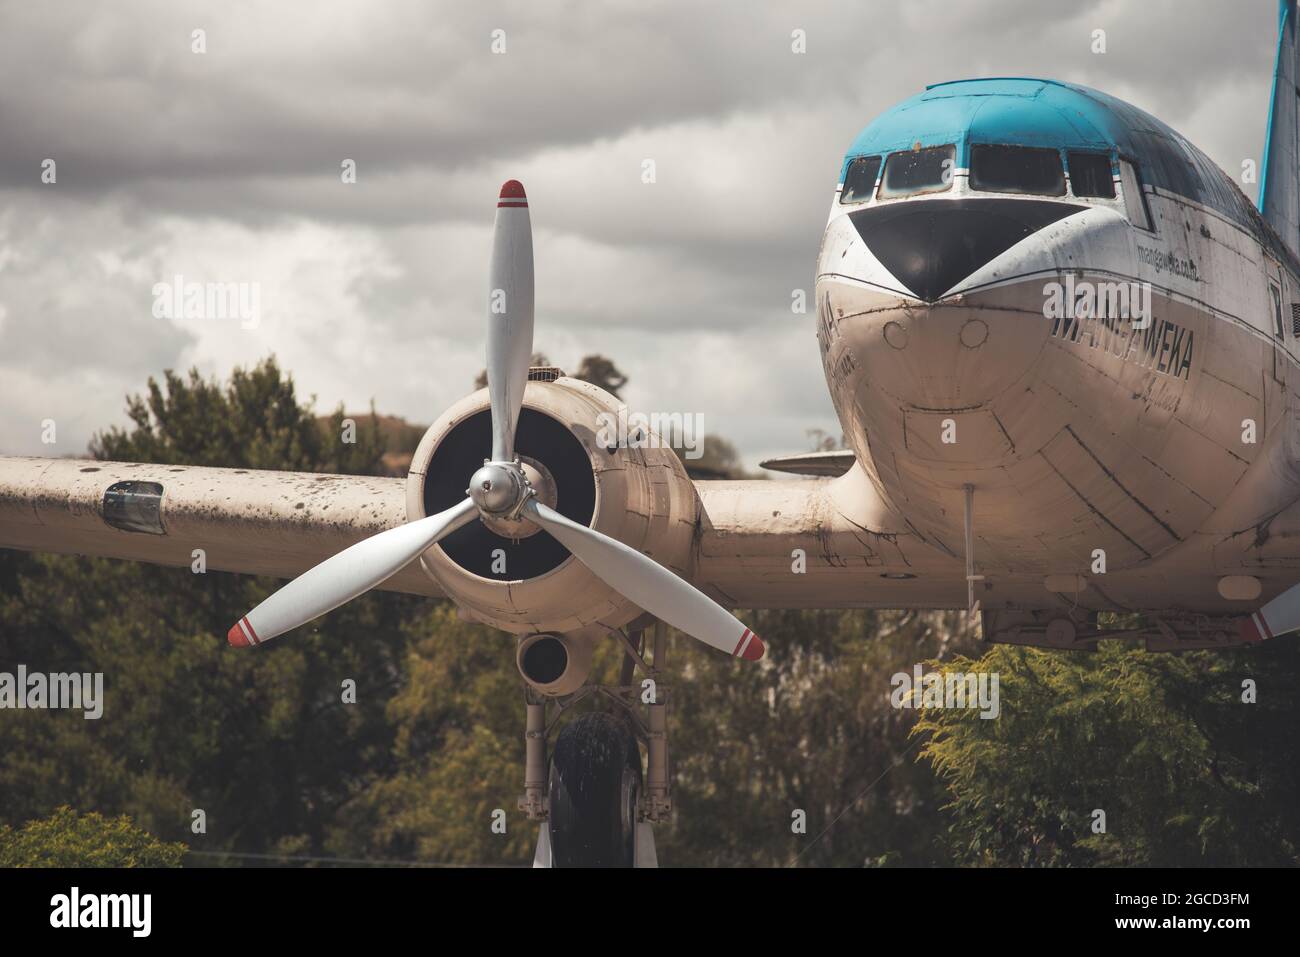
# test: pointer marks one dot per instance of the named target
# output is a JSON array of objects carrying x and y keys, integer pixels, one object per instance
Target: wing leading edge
[
  {"x": 247, "y": 521},
  {"x": 751, "y": 536}
]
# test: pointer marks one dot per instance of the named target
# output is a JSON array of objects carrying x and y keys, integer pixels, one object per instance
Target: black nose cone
[{"x": 931, "y": 245}]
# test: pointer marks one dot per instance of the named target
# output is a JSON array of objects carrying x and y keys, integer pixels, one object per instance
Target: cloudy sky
[{"x": 224, "y": 166}]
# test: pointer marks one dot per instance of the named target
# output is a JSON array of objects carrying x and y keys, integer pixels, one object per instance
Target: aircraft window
[
  {"x": 1016, "y": 169},
  {"x": 1277, "y": 311},
  {"x": 860, "y": 180},
  {"x": 1134, "y": 202},
  {"x": 919, "y": 171},
  {"x": 1090, "y": 175}
]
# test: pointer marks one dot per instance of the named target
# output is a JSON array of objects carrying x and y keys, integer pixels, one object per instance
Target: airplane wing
[
  {"x": 250, "y": 521},
  {"x": 748, "y": 540},
  {"x": 817, "y": 543}
]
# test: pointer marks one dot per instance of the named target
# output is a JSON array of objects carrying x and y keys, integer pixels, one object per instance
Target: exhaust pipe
[{"x": 554, "y": 664}]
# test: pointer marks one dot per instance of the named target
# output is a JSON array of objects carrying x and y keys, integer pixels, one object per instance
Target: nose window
[
  {"x": 1090, "y": 175},
  {"x": 860, "y": 180},
  {"x": 1017, "y": 169},
  {"x": 918, "y": 171}
]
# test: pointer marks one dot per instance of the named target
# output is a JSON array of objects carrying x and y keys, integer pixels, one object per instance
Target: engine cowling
[{"x": 516, "y": 577}]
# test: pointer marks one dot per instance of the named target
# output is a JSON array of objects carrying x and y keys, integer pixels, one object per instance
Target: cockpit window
[
  {"x": 860, "y": 180},
  {"x": 918, "y": 171},
  {"x": 1135, "y": 202},
  {"x": 1090, "y": 175},
  {"x": 1017, "y": 169}
]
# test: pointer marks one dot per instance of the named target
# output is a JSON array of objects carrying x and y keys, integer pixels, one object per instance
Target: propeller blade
[
  {"x": 650, "y": 585},
  {"x": 1278, "y": 617},
  {"x": 510, "y": 316},
  {"x": 344, "y": 576}
]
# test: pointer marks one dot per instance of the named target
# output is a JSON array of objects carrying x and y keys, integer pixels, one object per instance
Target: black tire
[{"x": 594, "y": 788}]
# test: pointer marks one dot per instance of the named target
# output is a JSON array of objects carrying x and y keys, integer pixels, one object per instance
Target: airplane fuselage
[{"x": 1111, "y": 374}]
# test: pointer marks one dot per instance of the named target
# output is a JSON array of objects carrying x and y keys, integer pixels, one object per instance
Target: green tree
[
  {"x": 457, "y": 754},
  {"x": 809, "y": 729},
  {"x": 716, "y": 458},
  {"x": 69, "y": 839},
  {"x": 261, "y": 742},
  {"x": 602, "y": 372},
  {"x": 1186, "y": 772},
  {"x": 595, "y": 369},
  {"x": 255, "y": 421}
]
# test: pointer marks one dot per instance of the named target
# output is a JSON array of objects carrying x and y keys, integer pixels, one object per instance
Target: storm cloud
[{"x": 225, "y": 165}]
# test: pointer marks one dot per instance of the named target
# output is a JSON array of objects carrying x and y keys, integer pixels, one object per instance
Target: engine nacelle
[{"x": 516, "y": 577}]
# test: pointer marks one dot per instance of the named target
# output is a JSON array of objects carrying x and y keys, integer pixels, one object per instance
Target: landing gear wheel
[{"x": 595, "y": 786}]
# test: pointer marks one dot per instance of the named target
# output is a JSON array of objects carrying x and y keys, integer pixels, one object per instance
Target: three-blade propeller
[{"x": 499, "y": 489}]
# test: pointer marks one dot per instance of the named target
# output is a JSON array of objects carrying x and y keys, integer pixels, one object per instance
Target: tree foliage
[
  {"x": 811, "y": 730},
  {"x": 596, "y": 369},
  {"x": 262, "y": 742},
  {"x": 254, "y": 421},
  {"x": 601, "y": 371},
  {"x": 1185, "y": 771},
  {"x": 69, "y": 839}
]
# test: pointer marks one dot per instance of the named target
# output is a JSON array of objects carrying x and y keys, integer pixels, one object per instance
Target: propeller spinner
[{"x": 500, "y": 489}]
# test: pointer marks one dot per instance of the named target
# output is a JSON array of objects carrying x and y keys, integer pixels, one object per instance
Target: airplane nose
[{"x": 931, "y": 245}]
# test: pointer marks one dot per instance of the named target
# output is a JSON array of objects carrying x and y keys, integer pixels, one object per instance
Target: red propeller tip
[
  {"x": 238, "y": 636},
  {"x": 1251, "y": 631},
  {"x": 512, "y": 189},
  {"x": 750, "y": 648}
]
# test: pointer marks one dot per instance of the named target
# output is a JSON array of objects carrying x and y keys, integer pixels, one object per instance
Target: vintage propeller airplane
[{"x": 1056, "y": 336}]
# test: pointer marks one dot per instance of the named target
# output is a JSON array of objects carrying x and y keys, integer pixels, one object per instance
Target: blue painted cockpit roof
[
  {"x": 1017, "y": 110},
  {"x": 1048, "y": 113}
]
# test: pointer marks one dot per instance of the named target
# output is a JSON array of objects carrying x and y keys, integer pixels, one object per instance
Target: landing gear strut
[{"x": 594, "y": 806}]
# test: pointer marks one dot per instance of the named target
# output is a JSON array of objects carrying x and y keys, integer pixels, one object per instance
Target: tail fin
[{"x": 1279, "y": 181}]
